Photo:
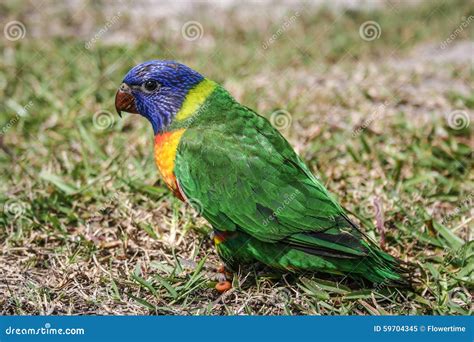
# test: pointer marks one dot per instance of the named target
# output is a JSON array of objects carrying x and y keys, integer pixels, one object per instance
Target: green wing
[{"x": 247, "y": 177}]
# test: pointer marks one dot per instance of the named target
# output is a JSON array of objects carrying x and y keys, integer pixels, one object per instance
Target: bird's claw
[
  {"x": 221, "y": 277},
  {"x": 223, "y": 284}
]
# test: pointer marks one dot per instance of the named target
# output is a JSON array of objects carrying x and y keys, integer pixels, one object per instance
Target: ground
[{"x": 377, "y": 101}]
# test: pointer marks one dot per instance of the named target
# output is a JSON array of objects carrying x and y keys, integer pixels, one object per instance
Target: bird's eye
[{"x": 150, "y": 85}]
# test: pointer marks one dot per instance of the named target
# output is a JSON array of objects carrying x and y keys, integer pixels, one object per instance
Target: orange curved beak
[{"x": 124, "y": 100}]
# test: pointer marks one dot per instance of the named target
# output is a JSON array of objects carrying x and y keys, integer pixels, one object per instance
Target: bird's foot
[{"x": 223, "y": 284}]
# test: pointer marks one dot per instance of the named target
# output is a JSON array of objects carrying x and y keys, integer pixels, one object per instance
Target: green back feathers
[{"x": 248, "y": 179}]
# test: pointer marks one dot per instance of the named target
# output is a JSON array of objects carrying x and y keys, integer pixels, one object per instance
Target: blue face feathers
[{"x": 159, "y": 88}]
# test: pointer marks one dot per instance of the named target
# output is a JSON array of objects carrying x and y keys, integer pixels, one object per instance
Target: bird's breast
[{"x": 166, "y": 147}]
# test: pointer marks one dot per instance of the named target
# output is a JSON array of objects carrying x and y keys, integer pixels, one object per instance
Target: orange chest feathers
[{"x": 166, "y": 146}]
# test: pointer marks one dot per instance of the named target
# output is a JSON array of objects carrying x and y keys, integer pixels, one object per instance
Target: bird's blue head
[{"x": 156, "y": 90}]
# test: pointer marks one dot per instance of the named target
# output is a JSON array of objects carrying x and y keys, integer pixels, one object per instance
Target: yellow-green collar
[{"x": 195, "y": 98}]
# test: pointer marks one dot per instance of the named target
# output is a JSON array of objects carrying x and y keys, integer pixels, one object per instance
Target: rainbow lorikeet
[{"x": 263, "y": 202}]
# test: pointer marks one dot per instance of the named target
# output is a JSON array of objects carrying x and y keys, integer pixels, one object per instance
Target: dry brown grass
[{"x": 88, "y": 229}]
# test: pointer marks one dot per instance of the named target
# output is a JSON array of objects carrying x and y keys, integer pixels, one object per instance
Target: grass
[{"x": 87, "y": 227}]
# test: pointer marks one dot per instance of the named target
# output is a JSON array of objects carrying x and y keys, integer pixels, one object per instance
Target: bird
[{"x": 264, "y": 204}]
